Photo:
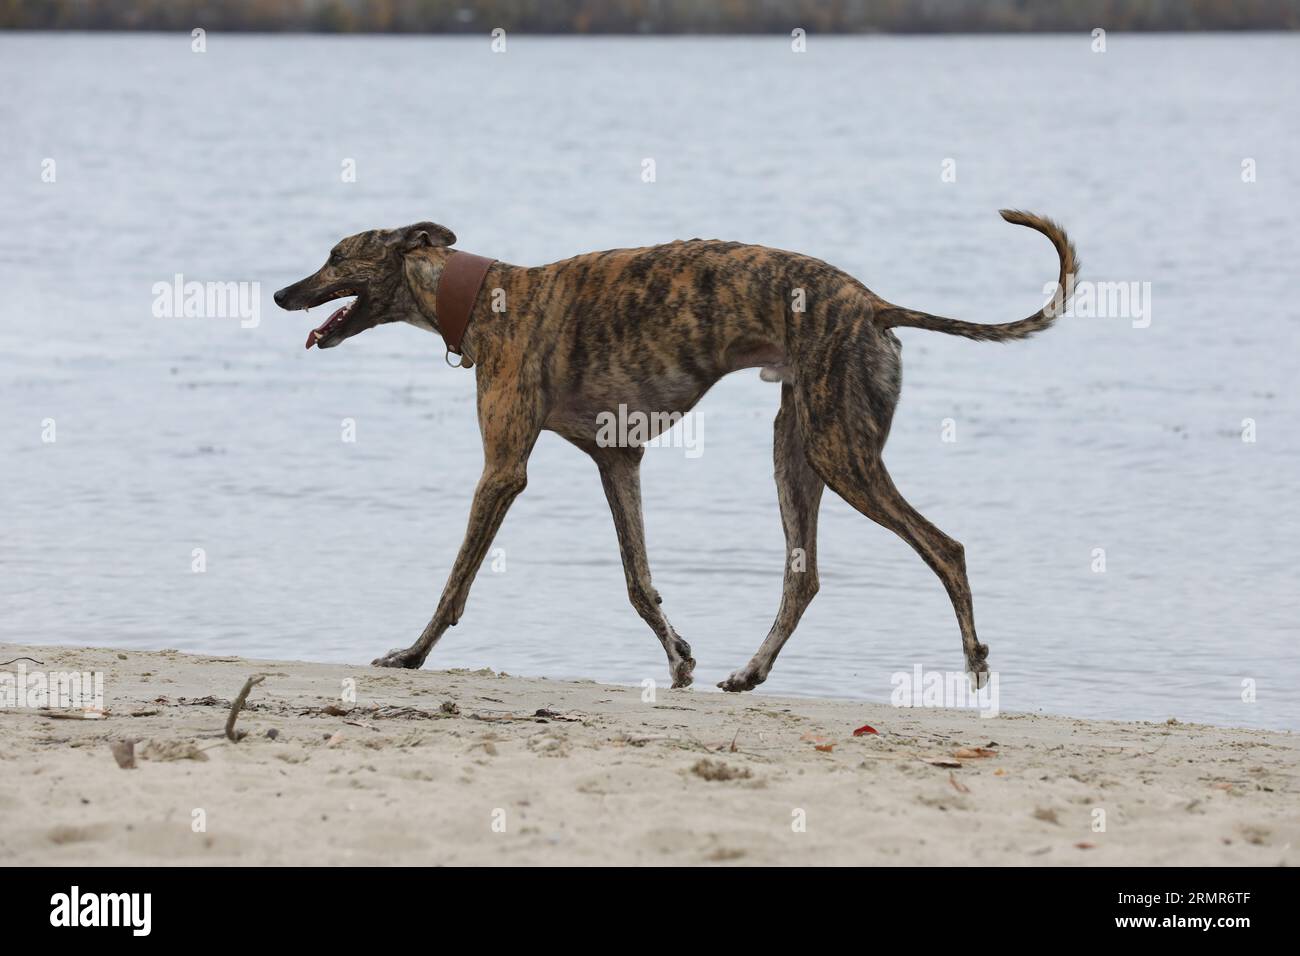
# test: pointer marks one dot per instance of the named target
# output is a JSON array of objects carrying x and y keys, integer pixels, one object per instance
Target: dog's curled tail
[{"x": 891, "y": 315}]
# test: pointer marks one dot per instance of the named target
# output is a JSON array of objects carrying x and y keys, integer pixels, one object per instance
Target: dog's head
[{"x": 371, "y": 269}]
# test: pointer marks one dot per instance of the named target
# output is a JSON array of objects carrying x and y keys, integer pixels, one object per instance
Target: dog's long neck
[
  {"x": 423, "y": 270},
  {"x": 423, "y": 273}
]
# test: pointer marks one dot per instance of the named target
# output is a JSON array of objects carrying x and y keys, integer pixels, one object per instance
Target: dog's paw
[
  {"x": 742, "y": 680},
  {"x": 978, "y": 674},
  {"x": 682, "y": 672},
  {"x": 398, "y": 657}
]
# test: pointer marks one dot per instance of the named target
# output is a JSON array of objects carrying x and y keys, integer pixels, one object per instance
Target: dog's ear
[{"x": 424, "y": 235}]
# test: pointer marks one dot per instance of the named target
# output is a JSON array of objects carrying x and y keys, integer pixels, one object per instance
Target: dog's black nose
[{"x": 280, "y": 297}]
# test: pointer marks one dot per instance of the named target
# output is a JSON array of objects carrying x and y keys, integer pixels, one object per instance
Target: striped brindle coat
[{"x": 653, "y": 329}]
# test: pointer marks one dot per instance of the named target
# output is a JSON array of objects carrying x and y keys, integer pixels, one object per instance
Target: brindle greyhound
[{"x": 654, "y": 329}]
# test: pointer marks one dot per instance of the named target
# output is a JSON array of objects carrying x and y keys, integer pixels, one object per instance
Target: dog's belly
[
  {"x": 769, "y": 358},
  {"x": 755, "y": 356},
  {"x": 642, "y": 409},
  {"x": 655, "y": 397}
]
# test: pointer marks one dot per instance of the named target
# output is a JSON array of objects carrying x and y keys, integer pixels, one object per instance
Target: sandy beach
[{"x": 355, "y": 765}]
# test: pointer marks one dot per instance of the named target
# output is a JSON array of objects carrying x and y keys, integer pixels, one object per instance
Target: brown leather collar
[{"x": 458, "y": 287}]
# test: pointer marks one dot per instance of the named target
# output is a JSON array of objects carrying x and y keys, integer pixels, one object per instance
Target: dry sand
[{"x": 454, "y": 767}]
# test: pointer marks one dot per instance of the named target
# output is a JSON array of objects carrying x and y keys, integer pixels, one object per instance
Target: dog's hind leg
[
  {"x": 799, "y": 490},
  {"x": 620, "y": 473},
  {"x": 857, "y": 475}
]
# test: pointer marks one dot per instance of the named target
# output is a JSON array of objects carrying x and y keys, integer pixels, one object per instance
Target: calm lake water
[{"x": 177, "y": 434}]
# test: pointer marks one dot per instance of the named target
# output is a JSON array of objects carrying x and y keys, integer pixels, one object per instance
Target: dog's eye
[{"x": 336, "y": 257}]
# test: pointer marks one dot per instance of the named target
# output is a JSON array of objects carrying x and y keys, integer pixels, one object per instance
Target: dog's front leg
[
  {"x": 620, "y": 473},
  {"x": 492, "y": 498}
]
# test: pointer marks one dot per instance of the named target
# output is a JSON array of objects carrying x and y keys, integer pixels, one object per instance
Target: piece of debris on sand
[
  {"x": 123, "y": 753},
  {"x": 165, "y": 750},
  {"x": 717, "y": 770}
]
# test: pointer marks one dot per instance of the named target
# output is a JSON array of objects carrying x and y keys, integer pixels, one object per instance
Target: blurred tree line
[{"x": 650, "y": 16}]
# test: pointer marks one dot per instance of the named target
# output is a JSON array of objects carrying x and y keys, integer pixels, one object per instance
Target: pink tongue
[{"x": 319, "y": 333}]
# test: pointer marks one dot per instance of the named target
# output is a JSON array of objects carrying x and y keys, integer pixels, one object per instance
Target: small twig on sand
[{"x": 238, "y": 705}]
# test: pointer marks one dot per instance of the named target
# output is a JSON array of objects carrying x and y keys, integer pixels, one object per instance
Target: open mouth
[{"x": 331, "y": 331}]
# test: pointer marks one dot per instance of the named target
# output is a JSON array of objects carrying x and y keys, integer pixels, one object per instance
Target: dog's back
[{"x": 686, "y": 313}]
